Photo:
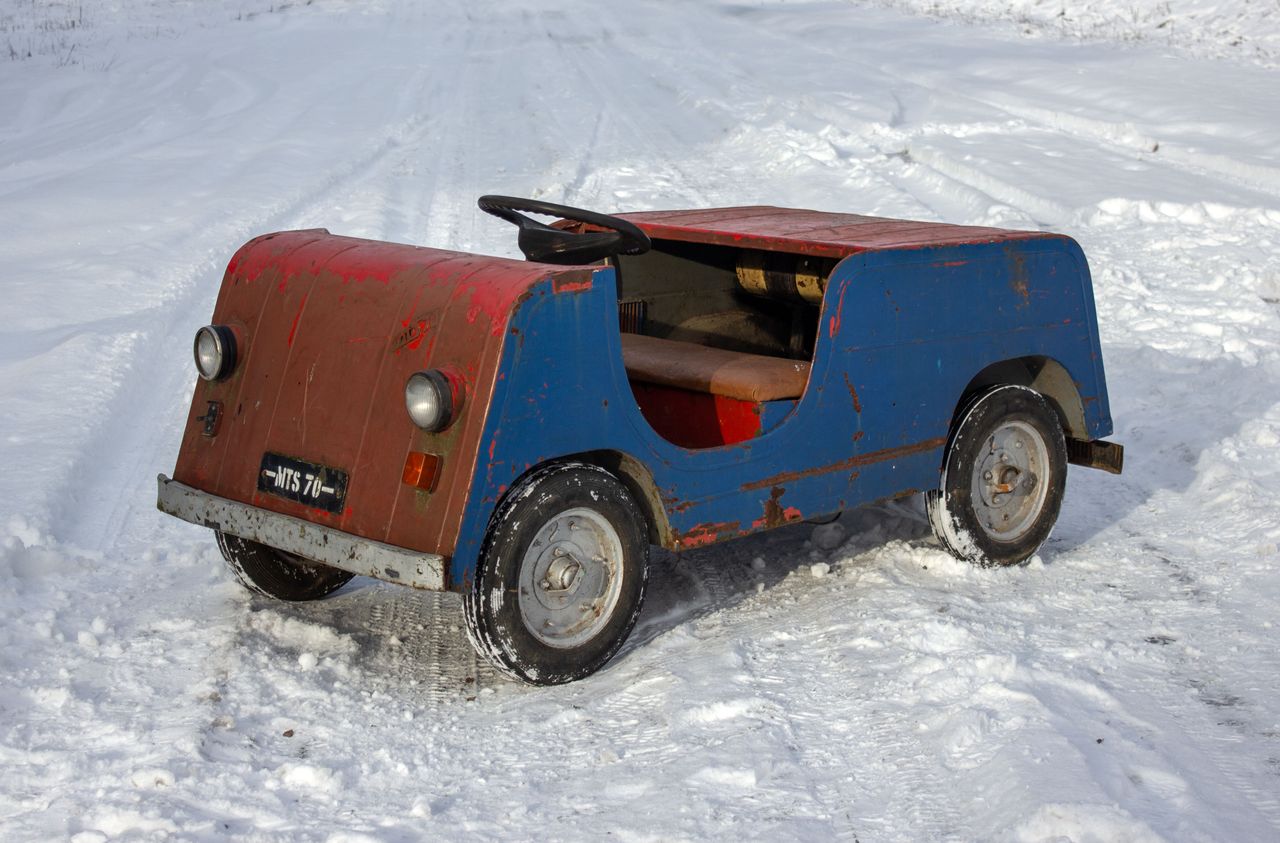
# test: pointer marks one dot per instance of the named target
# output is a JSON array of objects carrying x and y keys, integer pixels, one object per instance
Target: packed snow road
[{"x": 849, "y": 681}]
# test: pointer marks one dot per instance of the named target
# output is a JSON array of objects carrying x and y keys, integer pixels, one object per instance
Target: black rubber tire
[
  {"x": 273, "y": 573},
  {"x": 495, "y": 624},
  {"x": 951, "y": 508}
]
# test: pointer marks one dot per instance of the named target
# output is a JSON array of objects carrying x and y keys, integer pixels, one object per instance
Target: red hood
[{"x": 330, "y": 328}]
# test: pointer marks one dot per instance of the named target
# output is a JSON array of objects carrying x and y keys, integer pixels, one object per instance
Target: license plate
[{"x": 313, "y": 485}]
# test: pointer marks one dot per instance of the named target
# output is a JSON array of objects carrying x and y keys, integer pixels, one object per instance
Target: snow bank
[{"x": 1244, "y": 30}]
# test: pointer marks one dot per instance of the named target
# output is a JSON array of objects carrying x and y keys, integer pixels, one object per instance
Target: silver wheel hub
[
  {"x": 1008, "y": 487},
  {"x": 571, "y": 578}
]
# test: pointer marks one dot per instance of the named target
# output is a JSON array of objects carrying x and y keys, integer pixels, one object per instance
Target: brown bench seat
[{"x": 699, "y": 368}]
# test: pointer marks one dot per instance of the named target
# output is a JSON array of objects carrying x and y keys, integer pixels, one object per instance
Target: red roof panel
[{"x": 812, "y": 232}]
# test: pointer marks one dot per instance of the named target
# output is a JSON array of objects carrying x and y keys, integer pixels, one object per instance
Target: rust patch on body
[
  {"x": 705, "y": 534},
  {"x": 853, "y": 393},
  {"x": 775, "y": 515},
  {"x": 570, "y": 285},
  {"x": 869, "y": 458},
  {"x": 1018, "y": 277}
]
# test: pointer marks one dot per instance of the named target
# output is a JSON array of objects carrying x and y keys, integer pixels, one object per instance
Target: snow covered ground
[
  {"x": 849, "y": 681},
  {"x": 1245, "y": 30}
]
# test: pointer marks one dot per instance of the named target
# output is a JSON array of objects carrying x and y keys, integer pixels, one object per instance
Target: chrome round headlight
[
  {"x": 215, "y": 352},
  {"x": 429, "y": 400}
]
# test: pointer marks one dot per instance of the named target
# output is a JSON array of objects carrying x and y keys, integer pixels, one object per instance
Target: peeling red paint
[
  {"x": 705, "y": 534},
  {"x": 422, "y": 333},
  {"x": 789, "y": 515},
  {"x": 833, "y": 325},
  {"x": 570, "y": 285},
  {"x": 344, "y": 353},
  {"x": 296, "y": 318}
]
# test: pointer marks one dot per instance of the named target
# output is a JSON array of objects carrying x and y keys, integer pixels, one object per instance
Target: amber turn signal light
[{"x": 422, "y": 470}]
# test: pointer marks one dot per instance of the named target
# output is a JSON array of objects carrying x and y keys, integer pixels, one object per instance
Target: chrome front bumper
[{"x": 302, "y": 538}]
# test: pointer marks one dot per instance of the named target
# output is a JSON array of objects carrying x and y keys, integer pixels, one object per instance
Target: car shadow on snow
[
  {"x": 687, "y": 587},
  {"x": 414, "y": 642}
]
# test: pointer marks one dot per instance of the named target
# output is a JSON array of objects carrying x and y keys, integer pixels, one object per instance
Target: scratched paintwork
[
  {"x": 903, "y": 331},
  {"x": 333, "y": 327}
]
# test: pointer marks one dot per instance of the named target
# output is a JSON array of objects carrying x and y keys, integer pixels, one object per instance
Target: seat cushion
[{"x": 734, "y": 374}]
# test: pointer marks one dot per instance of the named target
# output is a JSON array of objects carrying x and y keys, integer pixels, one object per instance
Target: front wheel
[
  {"x": 561, "y": 576},
  {"x": 1003, "y": 478},
  {"x": 274, "y": 573}
]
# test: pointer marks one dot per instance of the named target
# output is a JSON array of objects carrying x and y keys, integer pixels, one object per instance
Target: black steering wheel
[{"x": 545, "y": 244}]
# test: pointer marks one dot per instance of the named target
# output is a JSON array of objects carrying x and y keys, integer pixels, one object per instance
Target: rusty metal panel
[
  {"x": 330, "y": 329},
  {"x": 1107, "y": 456},
  {"x": 301, "y": 537}
]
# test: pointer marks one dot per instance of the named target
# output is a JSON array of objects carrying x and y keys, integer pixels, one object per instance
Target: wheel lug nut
[{"x": 986, "y": 475}]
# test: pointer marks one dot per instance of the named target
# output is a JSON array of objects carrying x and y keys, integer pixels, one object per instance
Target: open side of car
[{"x": 673, "y": 378}]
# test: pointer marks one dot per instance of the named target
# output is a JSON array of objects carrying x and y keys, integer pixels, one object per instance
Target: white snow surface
[
  {"x": 849, "y": 682},
  {"x": 1244, "y": 30}
]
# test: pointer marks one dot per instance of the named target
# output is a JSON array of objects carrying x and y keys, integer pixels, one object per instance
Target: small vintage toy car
[{"x": 522, "y": 432}]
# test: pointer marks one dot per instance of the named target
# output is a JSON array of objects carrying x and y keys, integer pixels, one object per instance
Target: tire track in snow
[
  {"x": 1128, "y": 138},
  {"x": 412, "y": 643},
  {"x": 156, "y": 388},
  {"x": 724, "y": 578},
  {"x": 125, "y": 524},
  {"x": 1232, "y": 724},
  {"x": 725, "y": 76},
  {"x": 1125, "y": 138},
  {"x": 600, "y": 61},
  {"x": 902, "y": 790},
  {"x": 631, "y": 712}
]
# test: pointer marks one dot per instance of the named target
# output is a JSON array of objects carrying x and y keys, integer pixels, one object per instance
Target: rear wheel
[
  {"x": 1003, "y": 478},
  {"x": 561, "y": 577},
  {"x": 274, "y": 573}
]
